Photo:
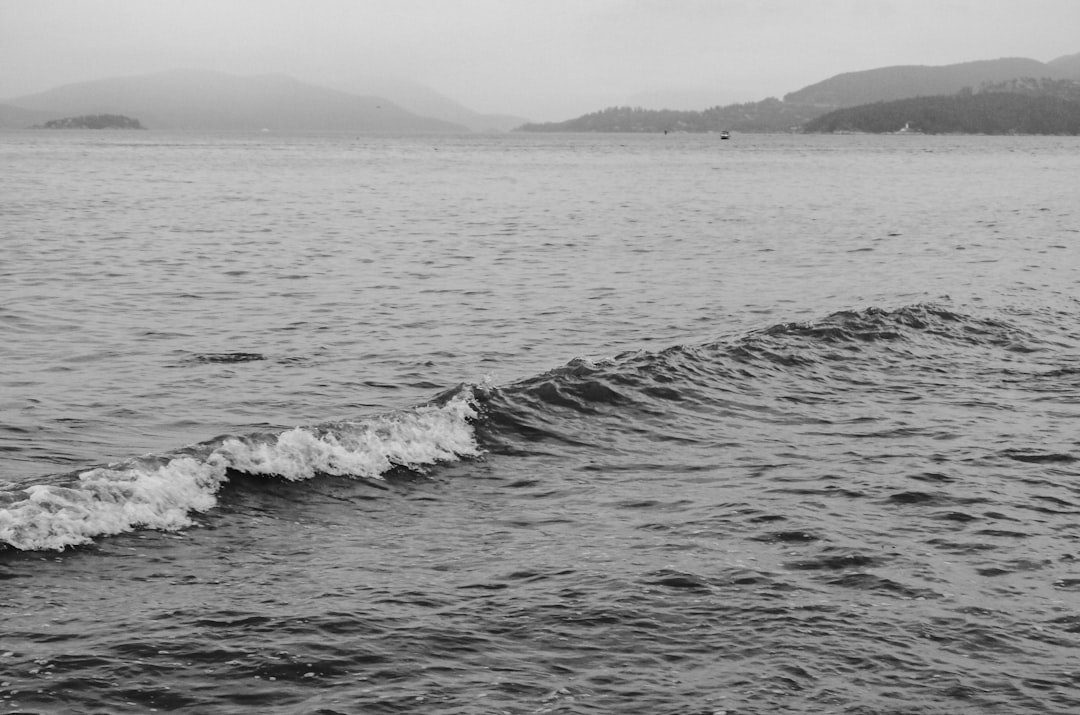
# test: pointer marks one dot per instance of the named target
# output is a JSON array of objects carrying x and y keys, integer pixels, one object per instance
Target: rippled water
[{"x": 517, "y": 424}]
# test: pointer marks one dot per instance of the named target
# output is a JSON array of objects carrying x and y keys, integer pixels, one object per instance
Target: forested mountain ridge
[
  {"x": 206, "y": 100},
  {"x": 1033, "y": 86},
  {"x": 962, "y": 113},
  {"x": 769, "y": 115},
  {"x": 902, "y": 82}
]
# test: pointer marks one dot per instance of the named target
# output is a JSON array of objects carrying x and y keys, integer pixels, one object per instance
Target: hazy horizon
[{"x": 540, "y": 61}]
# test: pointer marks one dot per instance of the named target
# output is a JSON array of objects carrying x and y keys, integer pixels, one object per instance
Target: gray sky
[{"x": 542, "y": 59}]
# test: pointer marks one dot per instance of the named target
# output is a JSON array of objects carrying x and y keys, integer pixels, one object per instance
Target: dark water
[{"x": 539, "y": 425}]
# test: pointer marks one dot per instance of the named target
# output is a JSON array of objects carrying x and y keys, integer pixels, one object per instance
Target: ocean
[{"x": 539, "y": 424}]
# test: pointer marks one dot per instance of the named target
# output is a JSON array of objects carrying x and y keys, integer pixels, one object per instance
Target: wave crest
[
  {"x": 161, "y": 492},
  {"x": 779, "y": 375}
]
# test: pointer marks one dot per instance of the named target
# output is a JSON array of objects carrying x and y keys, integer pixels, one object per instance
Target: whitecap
[{"x": 163, "y": 493}]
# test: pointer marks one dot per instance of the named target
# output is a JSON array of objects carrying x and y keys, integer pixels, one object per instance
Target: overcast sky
[{"x": 541, "y": 59}]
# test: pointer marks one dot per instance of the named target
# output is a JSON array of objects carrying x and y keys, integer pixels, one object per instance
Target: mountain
[
  {"x": 426, "y": 102},
  {"x": 901, "y": 82},
  {"x": 963, "y": 113},
  {"x": 1061, "y": 88},
  {"x": 1039, "y": 100},
  {"x": 12, "y": 117},
  {"x": 1067, "y": 67},
  {"x": 686, "y": 99},
  {"x": 768, "y": 115},
  {"x": 205, "y": 100}
]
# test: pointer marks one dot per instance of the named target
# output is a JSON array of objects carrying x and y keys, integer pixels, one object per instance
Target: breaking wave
[
  {"x": 162, "y": 491},
  {"x": 842, "y": 375}
]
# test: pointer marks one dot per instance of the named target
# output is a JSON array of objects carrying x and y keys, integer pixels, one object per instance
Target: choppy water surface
[{"x": 519, "y": 424}]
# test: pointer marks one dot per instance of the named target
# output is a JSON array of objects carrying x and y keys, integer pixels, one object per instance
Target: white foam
[
  {"x": 163, "y": 494},
  {"x": 112, "y": 500},
  {"x": 363, "y": 449}
]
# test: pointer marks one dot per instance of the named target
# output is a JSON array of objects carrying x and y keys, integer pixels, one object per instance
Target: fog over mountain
[
  {"x": 539, "y": 60},
  {"x": 209, "y": 100},
  {"x": 12, "y": 117},
  {"x": 1012, "y": 95},
  {"x": 206, "y": 100},
  {"x": 426, "y": 102},
  {"x": 1067, "y": 66}
]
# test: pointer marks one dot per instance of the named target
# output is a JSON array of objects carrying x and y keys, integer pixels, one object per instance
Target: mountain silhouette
[
  {"x": 208, "y": 100},
  {"x": 1068, "y": 67},
  {"x": 905, "y": 81},
  {"x": 426, "y": 102},
  {"x": 12, "y": 117}
]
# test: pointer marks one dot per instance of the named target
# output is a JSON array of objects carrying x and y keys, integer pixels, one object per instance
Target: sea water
[{"x": 539, "y": 424}]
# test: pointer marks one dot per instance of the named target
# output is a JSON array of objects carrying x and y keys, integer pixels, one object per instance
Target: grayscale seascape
[{"x": 521, "y": 423}]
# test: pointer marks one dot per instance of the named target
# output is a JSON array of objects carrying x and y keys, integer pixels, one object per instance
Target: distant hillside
[
  {"x": 1067, "y": 67},
  {"x": 769, "y": 115},
  {"x": 19, "y": 118},
  {"x": 965, "y": 113},
  {"x": 854, "y": 89},
  {"x": 204, "y": 100},
  {"x": 1061, "y": 88},
  {"x": 889, "y": 83},
  {"x": 687, "y": 99},
  {"x": 426, "y": 102}
]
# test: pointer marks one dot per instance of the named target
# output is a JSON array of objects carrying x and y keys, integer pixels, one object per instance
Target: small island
[{"x": 93, "y": 121}]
